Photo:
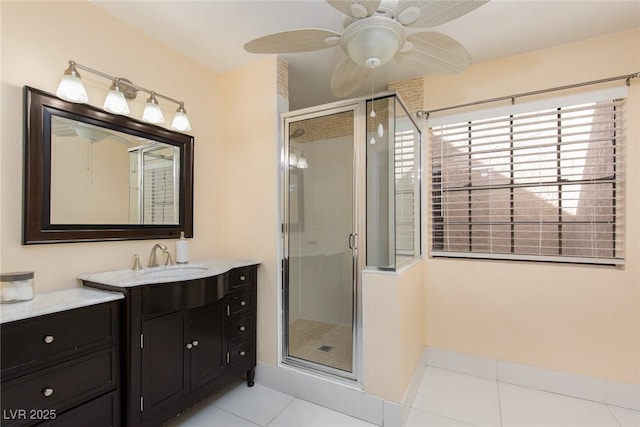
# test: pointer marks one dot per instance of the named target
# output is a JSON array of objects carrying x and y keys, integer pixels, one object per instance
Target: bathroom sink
[{"x": 173, "y": 271}]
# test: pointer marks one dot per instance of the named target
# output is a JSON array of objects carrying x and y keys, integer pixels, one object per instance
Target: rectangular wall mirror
[{"x": 92, "y": 176}]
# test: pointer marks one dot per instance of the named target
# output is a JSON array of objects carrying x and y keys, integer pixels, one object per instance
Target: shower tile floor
[{"x": 323, "y": 343}]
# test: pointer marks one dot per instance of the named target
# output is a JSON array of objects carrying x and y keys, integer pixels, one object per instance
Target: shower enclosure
[{"x": 351, "y": 174}]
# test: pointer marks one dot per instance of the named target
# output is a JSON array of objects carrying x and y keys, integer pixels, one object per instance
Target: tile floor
[{"x": 445, "y": 398}]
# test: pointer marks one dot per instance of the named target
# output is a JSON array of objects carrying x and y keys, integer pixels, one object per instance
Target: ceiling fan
[
  {"x": 88, "y": 133},
  {"x": 376, "y": 31}
]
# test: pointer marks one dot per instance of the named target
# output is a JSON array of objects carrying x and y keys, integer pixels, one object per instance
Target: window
[
  {"x": 159, "y": 187},
  {"x": 542, "y": 184},
  {"x": 406, "y": 191}
]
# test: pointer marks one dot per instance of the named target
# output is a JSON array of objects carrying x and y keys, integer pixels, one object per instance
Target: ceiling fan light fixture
[{"x": 373, "y": 42}]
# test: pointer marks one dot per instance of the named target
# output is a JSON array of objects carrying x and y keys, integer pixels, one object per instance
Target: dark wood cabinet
[
  {"x": 164, "y": 378},
  {"x": 241, "y": 330},
  {"x": 208, "y": 351},
  {"x": 62, "y": 368},
  {"x": 185, "y": 340}
]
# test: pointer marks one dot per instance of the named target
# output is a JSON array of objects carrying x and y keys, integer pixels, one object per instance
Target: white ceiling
[{"x": 212, "y": 33}]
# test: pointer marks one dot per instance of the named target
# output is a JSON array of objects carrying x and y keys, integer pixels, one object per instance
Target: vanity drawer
[
  {"x": 36, "y": 340},
  {"x": 242, "y": 353},
  {"x": 174, "y": 296},
  {"x": 241, "y": 276},
  {"x": 241, "y": 327},
  {"x": 62, "y": 386},
  {"x": 100, "y": 412},
  {"x": 241, "y": 301}
]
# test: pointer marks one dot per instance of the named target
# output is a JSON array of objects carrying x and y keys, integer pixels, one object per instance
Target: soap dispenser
[{"x": 182, "y": 250}]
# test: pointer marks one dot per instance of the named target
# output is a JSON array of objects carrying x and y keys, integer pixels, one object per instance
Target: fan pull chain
[
  {"x": 90, "y": 161},
  {"x": 372, "y": 114}
]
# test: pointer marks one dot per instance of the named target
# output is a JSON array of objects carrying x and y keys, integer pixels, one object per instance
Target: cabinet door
[
  {"x": 164, "y": 372},
  {"x": 208, "y": 340}
]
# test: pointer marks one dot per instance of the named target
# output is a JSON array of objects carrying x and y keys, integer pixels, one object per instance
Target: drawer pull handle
[
  {"x": 242, "y": 353},
  {"x": 47, "y": 392},
  {"x": 242, "y": 329},
  {"x": 243, "y": 303},
  {"x": 48, "y": 339},
  {"x": 189, "y": 346},
  {"x": 242, "y": 278},
  {"x": 195, "y": 343}
]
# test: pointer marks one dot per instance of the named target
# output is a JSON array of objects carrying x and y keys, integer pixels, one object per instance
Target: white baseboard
[
  {"x": 581, "y": 386},
  {"x": 322, "y": 391}
]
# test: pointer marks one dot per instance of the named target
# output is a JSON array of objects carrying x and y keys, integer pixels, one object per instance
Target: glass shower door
[{"x": 320, "y": 242}]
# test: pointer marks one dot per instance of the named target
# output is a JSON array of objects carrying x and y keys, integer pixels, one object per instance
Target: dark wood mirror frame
[{"x": 37, "y": 228}]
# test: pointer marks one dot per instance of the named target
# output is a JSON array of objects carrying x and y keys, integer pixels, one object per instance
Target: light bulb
[
  {"x": 293, "y": 159},
  {"x": 302, "y": 163},
  {"x": 71, "y": 88},
  {"x": 115, "y": 102},
  {"x": 152, "y": 112},
  {"x": 180, "y": 120}
]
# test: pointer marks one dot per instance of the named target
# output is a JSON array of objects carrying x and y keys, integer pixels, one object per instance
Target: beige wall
[
  {"x": 38, "y": 38},
  {"x": 89, "y": 181},
  {"x": 247, "y": 181},
  {"x": 578, "y": 319},
  {"x": 393, "y": 313}
]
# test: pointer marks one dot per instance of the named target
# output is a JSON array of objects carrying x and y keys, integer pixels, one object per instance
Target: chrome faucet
[{"x": 153, "y": 260}]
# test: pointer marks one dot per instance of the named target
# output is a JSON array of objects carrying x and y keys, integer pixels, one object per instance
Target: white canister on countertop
[{"x": 16, "y": 286}]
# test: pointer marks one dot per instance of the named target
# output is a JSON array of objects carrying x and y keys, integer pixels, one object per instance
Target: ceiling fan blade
[
  {"x": 347, "y": 77},
  {"x": 356, "y": 8},
  {"x": 304, "y": 40},
  {"x": 437, "y": 52},
  {"x": 121, "y": 140},
  {"x": 430, "y": 13},
  {"x": 62, "y": 129}
]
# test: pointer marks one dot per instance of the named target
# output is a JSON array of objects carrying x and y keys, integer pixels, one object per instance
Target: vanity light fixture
[
  {"x": 71, "y": 87},
  {"x": 293, "y": 159},
  {"x": 180, "y": 120},
  {"x": 302, "y": 162},
  {"x": 122, "y": 90},
  {"x": 152, "y": 112},
  {"x": 115, "y": 102},
  {"x": 297, "y": 160}
]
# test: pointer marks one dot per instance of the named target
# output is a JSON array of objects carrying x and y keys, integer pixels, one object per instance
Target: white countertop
[
  {"x": 55, "y": 301},
  {"x": 197, "y": 269}
]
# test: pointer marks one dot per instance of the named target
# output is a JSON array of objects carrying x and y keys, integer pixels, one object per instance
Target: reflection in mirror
[
  {"x": 102, "y": 176},
  {"x": 153, "y": 188}
]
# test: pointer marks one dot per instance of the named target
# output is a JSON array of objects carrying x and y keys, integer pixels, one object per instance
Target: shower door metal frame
[{"x": 358, "y": 106}]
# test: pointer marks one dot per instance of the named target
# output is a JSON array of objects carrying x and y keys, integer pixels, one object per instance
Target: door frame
[{"x": 358, "y": 106}]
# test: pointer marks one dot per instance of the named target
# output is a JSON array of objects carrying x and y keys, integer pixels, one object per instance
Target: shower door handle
[{"x": 353, "y": 242}]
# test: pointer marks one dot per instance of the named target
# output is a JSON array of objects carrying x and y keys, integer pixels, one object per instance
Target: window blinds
[
  {"x": 159, "y": 190},
  {"x": 542, "y": 184},
  {"x": 406, "y": 188}
]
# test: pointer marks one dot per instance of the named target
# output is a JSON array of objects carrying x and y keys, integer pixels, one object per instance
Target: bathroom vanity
[
  {"x": 60, "y": 359},
  {"x": 188, "y": 330}
]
